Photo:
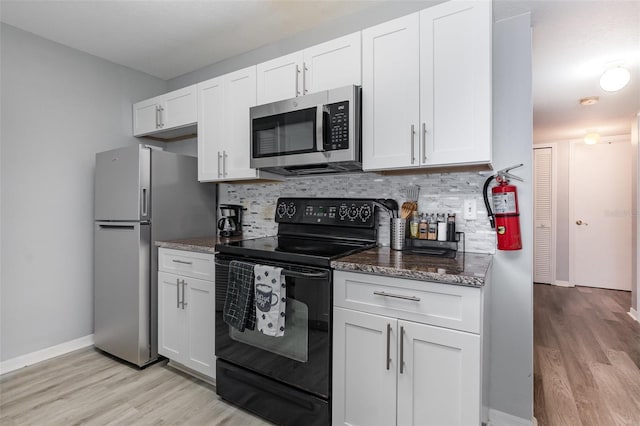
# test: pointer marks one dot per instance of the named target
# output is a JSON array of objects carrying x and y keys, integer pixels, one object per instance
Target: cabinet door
[
  {"x": 146, "y": 117},
  {"x": 455, "y": 85},
  {"x": 240, "y": 95},
  {"x": 364, "y": 382},
  {"x": 171, "y": 318},
  {"x": 200, "y": 331},
  {"x": 335, "y": 63},
  {"x": 211, "y": 122},
  {"x": 279, "y": 78},
  {"x": 440, "y": 379},
  {"x": 179, "y": 108},
  {"x": 390, "y": 94}
]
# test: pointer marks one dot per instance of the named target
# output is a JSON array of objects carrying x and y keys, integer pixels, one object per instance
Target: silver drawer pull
[
  {"x": 397, "y": 296},
  {"x": 182, "y": 261}
]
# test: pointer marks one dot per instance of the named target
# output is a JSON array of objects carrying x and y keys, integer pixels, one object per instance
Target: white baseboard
[
  {"x": 563, "y": 284},
  {"x": 45, "y": 354},
  {"x": 499, "y": 418},
  {"x": 634, "y": 314}
]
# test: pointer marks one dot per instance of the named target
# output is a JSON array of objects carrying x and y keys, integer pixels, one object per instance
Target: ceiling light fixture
[
  {"x": 592, "y": 138},
  {"x": 615, "y": 78},
  {"x": 591, "y": 100}
]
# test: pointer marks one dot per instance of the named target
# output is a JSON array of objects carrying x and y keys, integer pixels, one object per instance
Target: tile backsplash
[{"x": 440, "y": 192}]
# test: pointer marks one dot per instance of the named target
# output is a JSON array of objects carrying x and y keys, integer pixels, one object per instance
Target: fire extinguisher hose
[{"x": 492, "y": 218}]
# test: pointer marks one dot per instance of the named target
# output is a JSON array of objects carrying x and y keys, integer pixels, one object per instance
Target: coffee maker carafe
[{"x": 230, "y": 222}]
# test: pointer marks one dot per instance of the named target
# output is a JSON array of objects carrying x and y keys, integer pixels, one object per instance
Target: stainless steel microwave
[{"x": 315, "y": 133}]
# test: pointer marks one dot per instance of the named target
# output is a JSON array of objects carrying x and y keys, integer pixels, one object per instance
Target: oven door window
[
  {"x": 282, "y": 134},
  {"x": 295, "y": 342}
]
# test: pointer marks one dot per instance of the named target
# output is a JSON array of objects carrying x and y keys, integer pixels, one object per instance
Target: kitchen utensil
[
  {"x": 407, "y": 208},
  {"x": 397, "y": 233}
]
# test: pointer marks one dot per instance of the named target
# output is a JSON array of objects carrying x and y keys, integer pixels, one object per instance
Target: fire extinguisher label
[
  {"x": 504, "y": 203},
  {"x": 502, "y": 230}
]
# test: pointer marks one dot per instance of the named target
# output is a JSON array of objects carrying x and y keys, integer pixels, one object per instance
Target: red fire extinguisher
[{"x": 506, "y": 219}]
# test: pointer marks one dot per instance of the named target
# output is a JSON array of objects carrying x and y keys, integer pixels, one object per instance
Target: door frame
[
  {"x": 554, "y": 208},
  {"x": 572, "y": 144}
]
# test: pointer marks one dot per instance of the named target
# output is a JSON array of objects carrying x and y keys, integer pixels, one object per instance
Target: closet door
[{"x": 544, "y": 241}]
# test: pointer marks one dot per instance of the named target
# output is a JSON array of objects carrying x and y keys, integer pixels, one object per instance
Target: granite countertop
[
  {"x": 468, "y": 269},
  {"x": 197, "y": 244}
]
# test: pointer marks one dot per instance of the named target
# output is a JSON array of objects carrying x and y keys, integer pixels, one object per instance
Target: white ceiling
[{"x": 572, "y": 41}]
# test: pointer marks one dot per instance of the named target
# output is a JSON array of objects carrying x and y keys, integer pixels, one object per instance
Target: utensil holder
[{"x": 398, "y": 230}]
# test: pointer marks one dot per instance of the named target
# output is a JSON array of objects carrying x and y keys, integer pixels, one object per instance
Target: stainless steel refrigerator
[{"x": 141, "y": 195}]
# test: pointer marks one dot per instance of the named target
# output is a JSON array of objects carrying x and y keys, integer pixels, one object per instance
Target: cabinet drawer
[
  {"x": 187, "y": 263},
  {"x": 444, "y": 305}
]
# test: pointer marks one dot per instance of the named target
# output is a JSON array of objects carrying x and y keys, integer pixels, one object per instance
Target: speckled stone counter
[
  {"x": 197, "y": 244},
  {"x": 468, "y": 269}
]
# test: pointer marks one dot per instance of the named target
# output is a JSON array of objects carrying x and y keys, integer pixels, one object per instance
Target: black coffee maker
[{"x": 230, "y": 222}]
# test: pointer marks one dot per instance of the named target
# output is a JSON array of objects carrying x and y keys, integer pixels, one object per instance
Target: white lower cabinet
[
  {"x": 186, "y": 315},
  {"x": 388, "y": 370}
]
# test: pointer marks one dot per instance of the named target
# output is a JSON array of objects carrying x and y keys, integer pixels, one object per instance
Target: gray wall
[
  {"x": 59, "y": 107},
  {"x": 511, "y": 379}
]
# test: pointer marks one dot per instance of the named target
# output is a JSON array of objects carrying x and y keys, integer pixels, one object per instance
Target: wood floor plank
[
  {"x": 558, "y": 397},
  {"x": 88, "y": 387}
]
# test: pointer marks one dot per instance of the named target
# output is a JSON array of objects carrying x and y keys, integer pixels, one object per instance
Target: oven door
[{"x": 302, "y": 357}]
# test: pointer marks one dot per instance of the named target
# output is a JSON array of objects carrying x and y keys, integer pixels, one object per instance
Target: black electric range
[{"x": 287, "y": 379}]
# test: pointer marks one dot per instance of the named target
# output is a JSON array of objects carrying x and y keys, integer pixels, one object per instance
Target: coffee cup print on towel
[{"x": 265, "y": 298}]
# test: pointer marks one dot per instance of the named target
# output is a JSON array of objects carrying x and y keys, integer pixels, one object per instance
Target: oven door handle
[{"x": 307, "y": 275}]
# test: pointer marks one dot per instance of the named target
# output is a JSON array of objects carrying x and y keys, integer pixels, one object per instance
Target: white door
[
  {"x": 240, "y": 95},
  {"x": 146, "y": 117},
  {"x": 364, "y": 381},
  {"x": 439, "y": 383},
  {"x": 600, "y": 216},
  {"x": 543, "y": 205},
  {"x": 200, "y": 325},
  {"x": 211, "y": 125},
  {"x": 455, "y": 83},
  {"x": 335, "y": 63},
  {"x": 390, "y": 94},
  {"x": 171, "y": 317},
  {"x": 280, "y": 78}
]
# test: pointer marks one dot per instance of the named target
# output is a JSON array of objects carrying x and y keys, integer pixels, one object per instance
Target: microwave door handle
[{"x": 321, "y": 110}]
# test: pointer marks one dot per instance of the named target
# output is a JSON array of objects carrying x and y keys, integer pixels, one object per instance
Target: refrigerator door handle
[{"x": 145, "y": 202}]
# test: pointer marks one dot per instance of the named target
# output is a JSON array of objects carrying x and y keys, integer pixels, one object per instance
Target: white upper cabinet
[
  {"x": 224, "y": 139},
  {"x": 325, "y": 66},
  {"x": 390, "y": 94},
  {"x": 164, "y": 115},
  {"x": 426, "y": 88},
  {"x": 455, "y": 83}
]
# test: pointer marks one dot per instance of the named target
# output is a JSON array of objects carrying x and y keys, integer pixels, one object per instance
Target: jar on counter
[
  {"x": 432, "y": 229},
  {"x": 423, "y": 228},
  {"x": 414, "y": 224},
  {"x": 442, "y": 228}
]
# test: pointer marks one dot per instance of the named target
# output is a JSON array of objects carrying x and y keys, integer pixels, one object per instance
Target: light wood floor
[
  {"x": 90, "y": 388},
  {"x": 587, "y": 357}
]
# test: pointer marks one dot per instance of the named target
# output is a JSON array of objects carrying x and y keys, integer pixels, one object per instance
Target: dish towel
[
  {"x": 271, "y": 300},
  {"x": 238, "y": 306}
]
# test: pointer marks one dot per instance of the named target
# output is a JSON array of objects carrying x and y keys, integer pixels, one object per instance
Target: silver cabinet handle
[
  {"x": 219, "y": 165},
  {"x": 178, "y": 292},
  {"x": 157, "y": 116},
  {"x": 304, "y": 77},
  {"x": 413, "y": 153},
  {"x": 388, "y": 345},
  {"x": 297, "y": 88},
  {"x": 424, "y": 142},
  {"x": 224, "y": 163},
  {"x": 184, "y": 284},
  {"x": 182, "y": 261},
  {"x": 396, "y": 296},
  {"x": 401, "y": 349},
  {"x": 161, "y": 109}
]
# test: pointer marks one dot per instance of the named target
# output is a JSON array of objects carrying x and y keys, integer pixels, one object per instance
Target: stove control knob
[
  {"x": 365, "y": 212},
  {"x": 342, "y": 212},
  {"x": 353, "y": 212},
  {"x": 281, "y": 210},
  {"x": 291, "y": 210}
]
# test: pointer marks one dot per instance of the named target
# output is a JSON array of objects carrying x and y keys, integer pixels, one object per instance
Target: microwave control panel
[{"x": 337, "y": 126}]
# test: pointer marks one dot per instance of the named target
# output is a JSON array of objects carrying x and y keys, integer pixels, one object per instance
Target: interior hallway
[{"x": 586, "y": 357}]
